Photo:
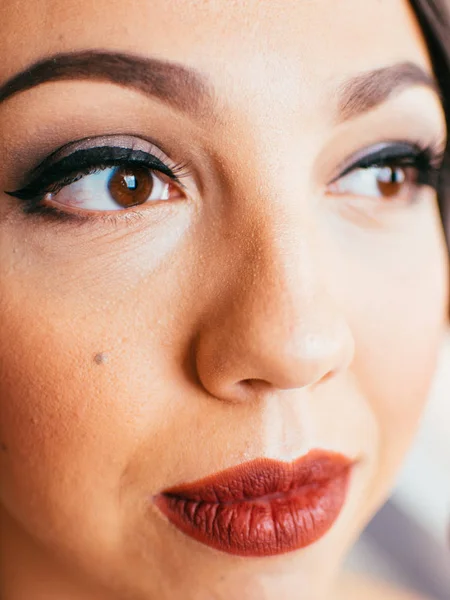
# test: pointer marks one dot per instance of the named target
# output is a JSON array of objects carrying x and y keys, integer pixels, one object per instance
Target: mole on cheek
[
  {"x": 3, "y": 447},
  {"x": 101, "y": 358}
]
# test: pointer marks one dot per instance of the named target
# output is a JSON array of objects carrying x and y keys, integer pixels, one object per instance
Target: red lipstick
[{"x": 262, "y": 507}]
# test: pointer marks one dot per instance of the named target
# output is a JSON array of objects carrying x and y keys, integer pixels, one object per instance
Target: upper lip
[{"x": 262, "y": 478}]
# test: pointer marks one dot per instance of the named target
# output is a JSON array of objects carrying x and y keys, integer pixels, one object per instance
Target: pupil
[
  {"x": 395, "y": 177},
  {"x": 131, "y": 182},
  {"x": 391, "y": 175}
]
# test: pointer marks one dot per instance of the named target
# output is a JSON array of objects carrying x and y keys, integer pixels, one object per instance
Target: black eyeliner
[
  {"x": 398, "y": 154},
  {"x": 49, "y": 178},
  {"x": 427, "y": 160}
]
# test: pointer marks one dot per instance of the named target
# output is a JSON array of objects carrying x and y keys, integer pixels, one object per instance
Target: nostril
[
  {"x": 328, "y": 375},
  {"x": 258, "y": 386}
]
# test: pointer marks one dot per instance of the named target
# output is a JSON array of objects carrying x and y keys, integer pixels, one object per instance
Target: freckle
[
  {"x": 101, "y": 358},
  {"x": 4, "y": 447}
]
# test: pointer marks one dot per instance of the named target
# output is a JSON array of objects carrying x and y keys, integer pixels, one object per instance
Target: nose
[{"x": 276, "y": 326}]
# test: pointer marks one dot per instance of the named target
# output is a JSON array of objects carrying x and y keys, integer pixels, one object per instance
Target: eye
[
  {"x": 114, "y": 188},
  {"x": 390, "y": 172},
  {"x": 81, "y": 182},
  {"x": 385, "y": 182}
]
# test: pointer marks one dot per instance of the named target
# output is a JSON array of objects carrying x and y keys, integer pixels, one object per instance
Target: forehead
[{"x": 252, "y": 45}]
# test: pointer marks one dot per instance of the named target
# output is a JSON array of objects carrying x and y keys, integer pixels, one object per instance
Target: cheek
[
  {"x": 83, "y": 387},
  {"x": 397, "y": 351},
  {"x": 397, "y": 372},
  {"x": 69, "y": 425},
  {"x": 48, "y": 423}
]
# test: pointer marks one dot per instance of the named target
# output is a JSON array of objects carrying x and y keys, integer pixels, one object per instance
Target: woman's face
[{"x": 279, "y": 299}]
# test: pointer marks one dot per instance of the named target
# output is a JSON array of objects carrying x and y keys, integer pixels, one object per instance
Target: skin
[{"x": 126, "y": 350}]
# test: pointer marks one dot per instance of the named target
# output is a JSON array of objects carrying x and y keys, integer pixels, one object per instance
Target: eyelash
[
  {"x": 54, "y": 177},
  {"x": 426, "y": 160}
]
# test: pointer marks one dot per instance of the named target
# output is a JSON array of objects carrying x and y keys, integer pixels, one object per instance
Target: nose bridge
[
  {"x": 276, "y": 270},
  {"x": 277, "y": 323},
  {"x": 286, "y": 292}
]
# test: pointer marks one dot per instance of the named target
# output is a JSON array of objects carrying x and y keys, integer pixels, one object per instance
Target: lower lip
[{"x": 262, "y": 508}]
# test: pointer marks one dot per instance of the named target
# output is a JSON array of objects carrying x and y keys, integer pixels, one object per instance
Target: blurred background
[{"x": 408, "y": 541}]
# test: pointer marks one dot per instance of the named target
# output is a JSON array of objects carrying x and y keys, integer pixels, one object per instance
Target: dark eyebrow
[
  {"x": 186, "y": 89},
  {"x": 177, "y": 85},
  {"x": 370, "y": 89}
]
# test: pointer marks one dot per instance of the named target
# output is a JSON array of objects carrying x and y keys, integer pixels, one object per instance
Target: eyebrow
[
  {"x": 177, "y": 85},
  {"x": 188, "y": 90},
  {"x": 366, "y": 91}
]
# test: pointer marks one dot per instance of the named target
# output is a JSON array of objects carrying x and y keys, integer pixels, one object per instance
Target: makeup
[
  {"x": 92, "y": 177},
  {"x": 263, "y": 507}
]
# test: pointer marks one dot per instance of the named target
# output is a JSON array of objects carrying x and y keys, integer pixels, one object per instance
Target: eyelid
[
  {"x": 61, "y": 165},
  {"x": 125, "y": 141},
  {"x": 62, "y": 171},
  {"x": 385, "y": 152}
]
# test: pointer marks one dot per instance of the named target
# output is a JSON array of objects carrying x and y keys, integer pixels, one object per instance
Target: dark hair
[{"x": 434, "y": 19}]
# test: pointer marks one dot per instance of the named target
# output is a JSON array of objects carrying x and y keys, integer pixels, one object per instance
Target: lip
[{"x": 263, "y": 507}]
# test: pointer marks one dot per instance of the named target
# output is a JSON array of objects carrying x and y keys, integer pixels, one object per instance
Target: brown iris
[
  {"x": 131, "y": 186},
  {"x": 390, "y": 181}
]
